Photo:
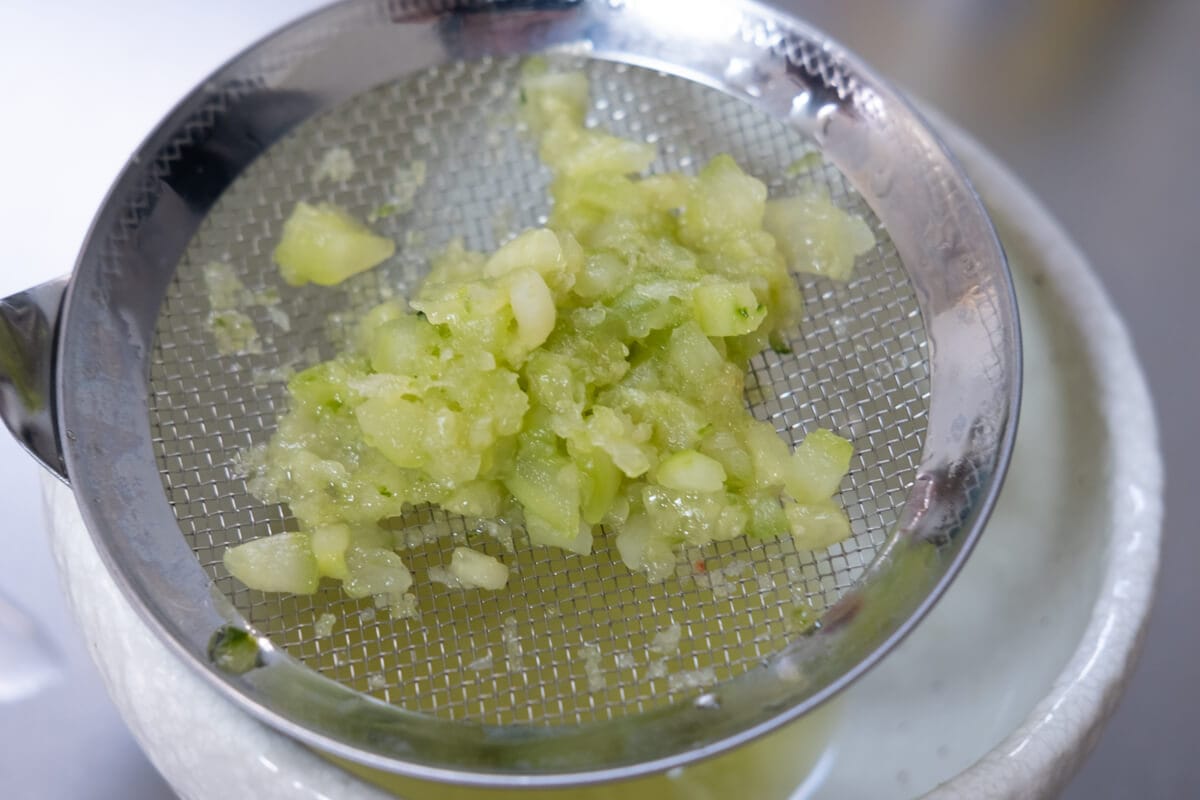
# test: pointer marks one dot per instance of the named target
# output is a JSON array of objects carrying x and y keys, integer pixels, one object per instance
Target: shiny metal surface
[
  {"x": 858, "y": 366},
  {"x": 786, "y": 71},
  {"x": 27, "y": 325}
]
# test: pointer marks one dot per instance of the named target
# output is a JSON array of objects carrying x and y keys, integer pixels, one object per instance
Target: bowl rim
[{"x": 1040, "y": 756}]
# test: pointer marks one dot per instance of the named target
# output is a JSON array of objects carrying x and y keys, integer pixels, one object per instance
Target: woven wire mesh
[{"x": 571, "y": 638}]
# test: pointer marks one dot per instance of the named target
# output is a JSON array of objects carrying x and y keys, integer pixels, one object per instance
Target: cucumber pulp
[{"x": 589, "y": 373}]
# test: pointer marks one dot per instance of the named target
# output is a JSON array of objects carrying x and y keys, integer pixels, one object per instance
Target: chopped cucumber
[
  {"x": 691, "y": 472},
  {"x": 280, "y": 563},
  {"x": 644, "y": 551},
  {"x": 816, "y": 236},
  {"x": 533, "y": 307},
  {"x": 329, "y": 545},
  {"x": 547, "y": 485},
  {"x": 724, "y": 205},
  {"x": 547, "y": 97},
  {"x": 557, "y": 259},
  {"x": 818, "y": 466},
  {"x": 378, "y": 572},
  {"x": 727, "y": 309},
  {"x": 477, "y": 570},
  {"x": 588, "y": 373},
  {"x": 233, "y": 650},
  {"x": 234, "y": 332},
  {"x": 225, "y": 289},
  {"x": 818, "y": 525},
  {"x": 325, "y": 245},
  {"x": 337, "y": 165}
]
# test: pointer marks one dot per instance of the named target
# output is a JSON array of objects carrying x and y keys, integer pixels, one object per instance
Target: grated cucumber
[
  {"x": 588, "y": 373},
  {"x": 325, "y": 245},
  {"x": 477, "y": 570}
]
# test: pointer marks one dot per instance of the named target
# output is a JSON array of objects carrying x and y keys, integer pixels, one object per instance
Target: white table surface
[{"x": 84, "y": 82}]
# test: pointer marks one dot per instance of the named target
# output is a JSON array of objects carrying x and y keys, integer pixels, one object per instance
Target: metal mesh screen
[{"x": 571, "y": 638}]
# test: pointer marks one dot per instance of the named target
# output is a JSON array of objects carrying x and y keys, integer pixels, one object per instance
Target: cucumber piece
[
  {"x": 376, "y": 571},
  {"x": 818, "y": 466},
  {"x": 642, "y": 551},
  {"x": 329, "y": 545},
  {"x": 617, "y": 435},
  {"x": 533, "y": 307},
  {"x": 553, "y": 384},
  {"x": 816, "y": 526},
  {"x": 324, "y": 387},
  {"x": 400, "y": 427},
  {"x": 728, "y": 448},
  {"x": 234, "y": 332},
  {"x": 233, "y": 650},
  {"x": 696, "y": 518},
  {"x": 600, "y": 481},
  {"x": 546, "y": 484},
  {"x": 454, "y": 264},
  {"x": 481, "y": 498},
  {"x": 675, "y": 423},
  {"x": 546, "y": 534},
  {"x": 817, "y": 237},
  {"x": 556, "y": 258},
  {"x": 727, "y": 309},
  {"x": 604, "y": 275},
  {"x": 323, "y": 244},
  {"x": 577, "y": 153},
  {"x": 376, "y": 318},
  {"x": 724, "y": 203},
  {"x": 767, "y": 516},
  {"x": 477, "y": 570},
  {"x": 772, "y": 462},
  {"x": 696, "y": 365},
  {"x": 405, "y": 345},
  {"x": 280, "y": 563},
  {"x": 549, "y": 98},
  {"x": 690, "y": 471},
  {"x": 651, "y": 305}
]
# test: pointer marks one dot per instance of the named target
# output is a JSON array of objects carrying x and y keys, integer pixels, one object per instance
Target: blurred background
[{"x": 1095, "y": 104}]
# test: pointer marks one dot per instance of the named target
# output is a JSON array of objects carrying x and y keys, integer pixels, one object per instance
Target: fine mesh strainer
[{"x": 570, "y": 674}]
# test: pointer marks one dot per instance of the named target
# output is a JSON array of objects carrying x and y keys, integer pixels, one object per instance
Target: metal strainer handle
[{"x": 28, "y": 322}]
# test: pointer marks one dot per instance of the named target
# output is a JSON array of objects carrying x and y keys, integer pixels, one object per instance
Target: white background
[
  {"x": 83, "y": 84},
  {"x": 1100, "y": 116}
]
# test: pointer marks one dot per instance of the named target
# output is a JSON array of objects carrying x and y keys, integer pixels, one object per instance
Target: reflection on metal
[{"x": 27, "y": 325}]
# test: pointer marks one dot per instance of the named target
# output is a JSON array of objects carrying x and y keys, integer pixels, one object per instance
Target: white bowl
[{"x": 1001, "y": 692}]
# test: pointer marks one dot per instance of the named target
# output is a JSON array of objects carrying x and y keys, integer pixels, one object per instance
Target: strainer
[{"x": 579, "y": 671}]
